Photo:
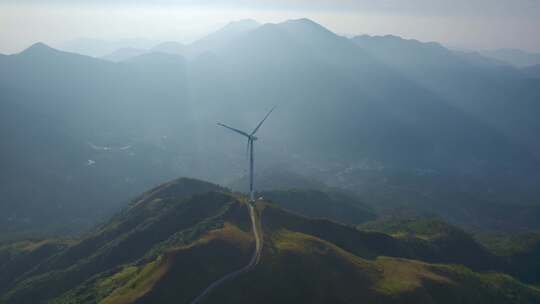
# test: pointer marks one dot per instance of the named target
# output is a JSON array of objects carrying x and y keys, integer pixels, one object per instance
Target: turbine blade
[
  {"x": 234, "y": 130},
  {"x": 247, "y": 149},
  {"x": 262, "y": 121}
]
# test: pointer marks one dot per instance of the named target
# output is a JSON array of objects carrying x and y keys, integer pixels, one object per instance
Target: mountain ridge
[{"x": 169, "y": 236}]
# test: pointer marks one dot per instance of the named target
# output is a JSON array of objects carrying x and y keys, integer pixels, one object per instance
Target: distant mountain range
[
  {"x": 101, "y": 47},
  {"x": 208, "y": 43},
  {"x": 533, "y": 71},
  {"x": 342, "y": 103},
  {"x": 515, "y": 57},
  {"x": 173, "y": 241}
]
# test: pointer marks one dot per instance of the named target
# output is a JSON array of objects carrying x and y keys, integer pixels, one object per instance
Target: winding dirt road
[{"x": 257, "y": 233}]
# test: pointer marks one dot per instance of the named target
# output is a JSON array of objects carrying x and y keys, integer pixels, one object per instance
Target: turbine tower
[{"x": 250, "y": 141}]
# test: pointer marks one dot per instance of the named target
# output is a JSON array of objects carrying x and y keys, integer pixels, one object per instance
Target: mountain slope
[
  {"x": 522, "y": 252},
  {"x": 302, "y": 268},
  {"x": 134, "y": 124},
  {"x": 222, "y": 36},
  {"x": 362, "y": 98},
  {"x": 171, "y": 47},
  {"x": 99, "y": 48},
  {"x": 484, "y": 92},
  {"x": 156, "y": 217},
  {"x": 533, "y": 71},
  {"x": 176, "y": 239},
  {"x": 58, "y": 109},
  {"x": 303, "y": 264},
  {"x": 29, "y": 179},
  {"x": 332, "y": 205},
  {"x": 515, "y": 57},
  {"x": 123, "y": 54}
]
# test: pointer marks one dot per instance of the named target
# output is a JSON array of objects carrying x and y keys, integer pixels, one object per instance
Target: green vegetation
[
  {"x": 178, "y": 212},
  {"x": 173, "y": 241},
  {"x": 332, "y": 205},
  {"x": 419, "y": 227},
  {"x": 139, "y": 283},
  {"x": 509, "y": 244},
  {"x": 298, "y": 267},
  {"x": 521, "y": 253},
  {"x": 401, "y": 276}
]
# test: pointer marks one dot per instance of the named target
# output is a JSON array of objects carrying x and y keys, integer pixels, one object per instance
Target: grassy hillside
[
  {"x": 522, "y": 253},
  {"x": 174, "y": 276},
  {"x": 298, "y": 267},
  {"x": 332, "y": 205},
  {"x": 175, "y": 240},
  {"x": 174, "y": 213},
  {"x": 20, "y": 257}
]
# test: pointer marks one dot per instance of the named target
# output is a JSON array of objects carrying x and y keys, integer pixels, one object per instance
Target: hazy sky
[{"x": 474, "y": 24}]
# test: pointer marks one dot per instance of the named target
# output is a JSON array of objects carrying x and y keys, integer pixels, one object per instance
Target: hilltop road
[{"x": 257, "y": 233}]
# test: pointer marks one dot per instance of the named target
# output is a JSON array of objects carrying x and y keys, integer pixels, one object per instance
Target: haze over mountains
[
  {"x": 379, "y": 107},
  {"x": 515, "y": 57},
  {"x": 391, "y": 171},
  {"x": 101, "y": 47}
]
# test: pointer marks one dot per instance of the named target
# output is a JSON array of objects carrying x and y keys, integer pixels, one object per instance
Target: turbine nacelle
[{"x": 251, "y": 136}]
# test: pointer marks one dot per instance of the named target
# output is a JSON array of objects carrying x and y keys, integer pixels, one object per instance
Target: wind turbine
[{"x": 251, "y": 140}]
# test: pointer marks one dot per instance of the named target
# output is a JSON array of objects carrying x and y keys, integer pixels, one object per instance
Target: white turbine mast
[{"x": 251, "y": 138}]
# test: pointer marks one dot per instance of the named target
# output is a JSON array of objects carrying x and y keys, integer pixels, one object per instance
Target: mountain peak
[
  {"x": 305, "y": 21},
  {"x": 181, "y": 187},
  {"x": 304, "y": 25},
  {"x": 303, "y": 29},
  {"x": 38, "y": 48}
]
